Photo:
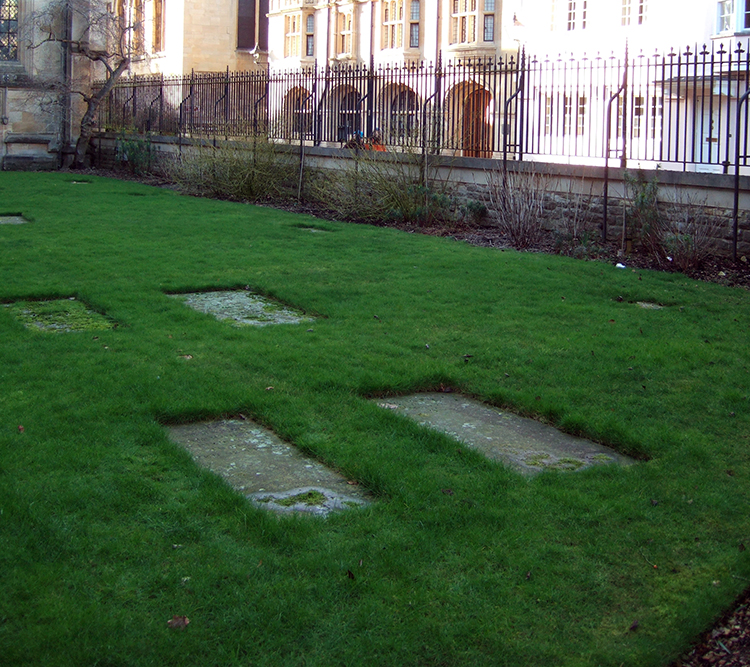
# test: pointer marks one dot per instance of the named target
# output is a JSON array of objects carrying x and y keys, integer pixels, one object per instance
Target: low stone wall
[{"x": 471, "y": 179}]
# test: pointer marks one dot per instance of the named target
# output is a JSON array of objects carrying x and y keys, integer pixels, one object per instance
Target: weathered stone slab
[
  {"x": 524, "y": 444},
  {"x": 270, "y": 472},
  {"x": 242, "y": 308}
]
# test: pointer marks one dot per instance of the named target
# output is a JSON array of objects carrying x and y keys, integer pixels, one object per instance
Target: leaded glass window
[{"x": 8, "y": 30}]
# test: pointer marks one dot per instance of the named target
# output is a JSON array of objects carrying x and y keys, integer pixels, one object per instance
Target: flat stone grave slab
[
  {"x": 58, "y": 316},
  {"x": 242, "y": 308},
  {"x": 12, "y": 220},
  {"x": 271, "y": 473},
  {"x": 524, "y": 444}
]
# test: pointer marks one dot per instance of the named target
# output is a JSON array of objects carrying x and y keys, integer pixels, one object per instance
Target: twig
[{"x": 648, "y": 561}]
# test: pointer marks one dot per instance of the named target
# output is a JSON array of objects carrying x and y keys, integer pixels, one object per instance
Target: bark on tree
[
  {"x": 93, "y": 103},
  {"x": 73, "y": 25}
]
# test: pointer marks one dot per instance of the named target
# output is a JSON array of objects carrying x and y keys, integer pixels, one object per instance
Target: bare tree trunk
[{"x": 87, "y": 122}]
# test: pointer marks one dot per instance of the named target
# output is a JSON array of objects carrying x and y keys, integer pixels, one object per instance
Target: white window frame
[{"x": 732, "y": 16}]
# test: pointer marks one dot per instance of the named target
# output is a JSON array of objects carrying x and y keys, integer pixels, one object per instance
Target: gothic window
[
  {"x": 139, "y": 32},
  {"x": 158, "y": 27},
  {"x": 246, "y": 24},
  {"x": 8, "y": 30}
]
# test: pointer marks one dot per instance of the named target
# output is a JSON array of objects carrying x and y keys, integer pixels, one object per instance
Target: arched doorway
[
  {"x": 298, "y": 112},
  {"x": 349, "y": 117},
  {"x": 476, "y": 130}
]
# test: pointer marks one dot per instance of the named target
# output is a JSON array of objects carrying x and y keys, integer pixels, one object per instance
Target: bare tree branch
[{"x": 99, "y": 42}]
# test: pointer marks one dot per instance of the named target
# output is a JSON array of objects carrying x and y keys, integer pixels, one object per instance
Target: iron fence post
[
  {"x": 736, "y": 207},
  {"x": 608, "y": 149},
  {"x": 506, "y": 129}
]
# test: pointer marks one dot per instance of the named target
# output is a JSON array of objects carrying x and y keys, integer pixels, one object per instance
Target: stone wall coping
[{"x": 664, "y": 176}]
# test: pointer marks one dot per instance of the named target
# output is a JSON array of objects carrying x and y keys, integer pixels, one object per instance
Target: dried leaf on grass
[{"x": 178, "y": 622}]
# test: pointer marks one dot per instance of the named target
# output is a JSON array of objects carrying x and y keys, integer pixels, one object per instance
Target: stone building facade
[
  {"x": 306, "y": 33},
  {"x": 40, "y": 108},
  {"x": 33, "y": 123}
]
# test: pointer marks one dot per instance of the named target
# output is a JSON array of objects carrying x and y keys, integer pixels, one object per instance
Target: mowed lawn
[{"x": 108, "y": 529}]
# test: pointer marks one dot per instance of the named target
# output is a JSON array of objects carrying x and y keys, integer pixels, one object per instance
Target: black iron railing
[{"x": 675, "y": 109}]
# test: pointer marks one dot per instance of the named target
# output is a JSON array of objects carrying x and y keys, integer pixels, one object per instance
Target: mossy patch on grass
[
  {"x": 551, "y": 463},
  {"x": 311, "y": 497},
  {"x": 58, "y": 316}
]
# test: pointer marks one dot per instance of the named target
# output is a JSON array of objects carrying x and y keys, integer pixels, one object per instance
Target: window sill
[
  {"x": 12, "y": 74},
  {"x": 484, "y": 47},
  {"x": 731, "y": 33}
]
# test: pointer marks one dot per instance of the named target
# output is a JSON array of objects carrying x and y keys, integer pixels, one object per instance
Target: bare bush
[
  {"x": 375, "y": 187},
  {"x": 517, "y": 203},
  {"x": 576, "y": 233},
  {"x": 246, "y": 171},
  {"x": 689, "y": 232}
]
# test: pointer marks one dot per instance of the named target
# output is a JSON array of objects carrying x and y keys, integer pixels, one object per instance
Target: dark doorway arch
[{"x": 476, "y": 131}]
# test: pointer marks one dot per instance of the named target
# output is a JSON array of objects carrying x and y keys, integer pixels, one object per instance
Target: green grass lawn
[{"x": 107, "y": 529}]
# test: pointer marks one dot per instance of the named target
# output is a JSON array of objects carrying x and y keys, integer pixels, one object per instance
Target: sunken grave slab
[
  {"x": 524, "y": 444},
  {"x": 242, "y": 308},
  {"x": 58, "y": 316},
  {"x": 271, "y": 473},
  {"x": 16, "y": 219}
]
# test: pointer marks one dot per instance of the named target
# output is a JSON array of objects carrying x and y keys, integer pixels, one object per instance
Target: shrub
[
  {"x": 375, "y": 187},
  {"x": 576, "y": 233},
  {"x": 690, "y": 230},
  {"x": 643, "y": 216},
  {"x": 517, "y": 203},
  {"x": 136, "y": 153},
  {"x": 244, "y": 171}
]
